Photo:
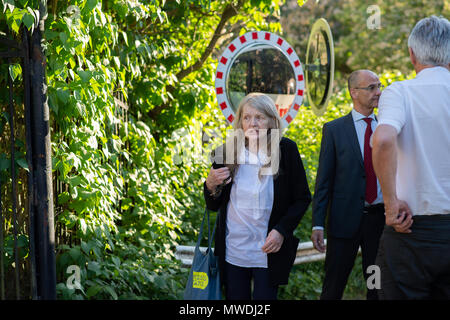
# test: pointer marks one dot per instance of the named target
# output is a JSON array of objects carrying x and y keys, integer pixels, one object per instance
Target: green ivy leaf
[
  {"x": 111, "y": 291},
  {"x": 75, "y": 253},
  {"x": 85, "y": 75},
  {"x": 63, "y": 37},
  {"x": 91, "y": 4},
  {"x": 93, "y": 290},
  {"x": 23, "y": 163},
  {"x": 15, "y": 71},
  {"x": 28, "y": 20},
  {"x": 63, "y": 197},
  {"x": 5, "y": 163},
  {"x": 63, "y": 95}
]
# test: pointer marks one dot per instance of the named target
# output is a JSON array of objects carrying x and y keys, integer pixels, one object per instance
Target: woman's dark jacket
[{"x": 291, "y": 199}]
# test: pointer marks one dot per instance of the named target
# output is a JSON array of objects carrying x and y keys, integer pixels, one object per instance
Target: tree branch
[{"x": 229, "y": 12}]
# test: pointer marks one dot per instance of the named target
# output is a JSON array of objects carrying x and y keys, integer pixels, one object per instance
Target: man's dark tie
[{"x": 371, "y": 179}]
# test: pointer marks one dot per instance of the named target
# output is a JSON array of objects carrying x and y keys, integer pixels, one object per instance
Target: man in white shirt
[
  {"x": 411, "y": 156},
  {"x": 347, "y": 192}
]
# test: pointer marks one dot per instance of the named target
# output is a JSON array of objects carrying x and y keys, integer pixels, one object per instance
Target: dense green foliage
[
  {"x": 122, "y": 197},
  {"x": 359, "y": 42},
  {"x": 126, "y": 197}
]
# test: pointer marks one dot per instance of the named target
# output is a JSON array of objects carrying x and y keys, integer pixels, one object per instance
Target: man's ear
[
  {"x": 412, "y": 56},
  {"x": 352, "y": 92}
]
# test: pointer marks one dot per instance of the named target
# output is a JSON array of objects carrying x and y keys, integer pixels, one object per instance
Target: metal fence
[
  {"x": 27, "y": 264},
  {"x": 305, "y": 254},
  {"x": 15, "y": 190},
  {"x": 27, "y": 208},
  {"x": 64, "y": 234}
]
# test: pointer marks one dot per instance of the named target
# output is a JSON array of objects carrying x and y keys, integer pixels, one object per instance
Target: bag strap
[
  {"x": 210, "y": 236},
  {"x": 199, "y": 239}
]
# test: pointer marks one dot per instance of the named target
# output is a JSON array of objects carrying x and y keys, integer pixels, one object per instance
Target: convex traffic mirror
[
  {"x": 319, "y": 66},
  {"x": 264, "y": 62},
  {"x": 260, "y": 62}
]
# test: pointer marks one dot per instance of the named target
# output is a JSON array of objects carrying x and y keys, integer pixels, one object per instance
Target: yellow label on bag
[{"x": 199, "y": 280}]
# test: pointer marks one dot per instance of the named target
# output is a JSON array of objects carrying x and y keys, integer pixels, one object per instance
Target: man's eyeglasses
[{"x": 372, "y": 87}]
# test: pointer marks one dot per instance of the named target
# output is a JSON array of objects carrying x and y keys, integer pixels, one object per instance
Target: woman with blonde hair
[{"x": 258, "y": 185}]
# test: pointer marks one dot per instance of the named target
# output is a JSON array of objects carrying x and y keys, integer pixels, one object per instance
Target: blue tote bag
[{"x": 204, "y": 278}]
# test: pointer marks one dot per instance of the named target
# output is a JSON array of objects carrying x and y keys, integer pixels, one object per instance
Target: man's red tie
[{"x": 371, "y": 179}]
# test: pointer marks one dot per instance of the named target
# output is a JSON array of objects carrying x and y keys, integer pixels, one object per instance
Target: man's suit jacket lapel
[{"x": 352, "y": 137}]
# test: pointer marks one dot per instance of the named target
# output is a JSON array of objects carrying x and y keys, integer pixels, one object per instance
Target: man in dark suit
[{"x": 347, "y": 190}]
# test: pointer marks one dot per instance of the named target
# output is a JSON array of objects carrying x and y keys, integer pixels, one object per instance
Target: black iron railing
[{"x": 26, "y": 197}]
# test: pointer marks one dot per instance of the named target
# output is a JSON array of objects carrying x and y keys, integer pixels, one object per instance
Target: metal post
[
  {"x": 42, "y": 165},
  {"x": 31, "y": 208},
  {"x": 13, "y": 184},
  {"x": 2, "y": 250}
]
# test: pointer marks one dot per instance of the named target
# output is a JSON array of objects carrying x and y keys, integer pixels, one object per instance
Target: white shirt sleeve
[{"x": 392, "y": 108}]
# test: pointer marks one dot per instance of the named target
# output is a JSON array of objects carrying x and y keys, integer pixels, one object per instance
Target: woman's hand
[
  {"x": 216, "y": 177},
  {"x": 273, "y": 242}
]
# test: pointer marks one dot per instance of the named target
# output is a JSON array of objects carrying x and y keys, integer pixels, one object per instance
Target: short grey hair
[{"x": 430, "y": 41}]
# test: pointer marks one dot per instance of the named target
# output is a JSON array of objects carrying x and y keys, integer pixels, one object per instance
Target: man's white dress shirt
[{"x": 419, "y": 109}]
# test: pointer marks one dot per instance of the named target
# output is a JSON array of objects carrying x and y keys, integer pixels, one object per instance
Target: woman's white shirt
[{"x": 248, "y": 213}]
